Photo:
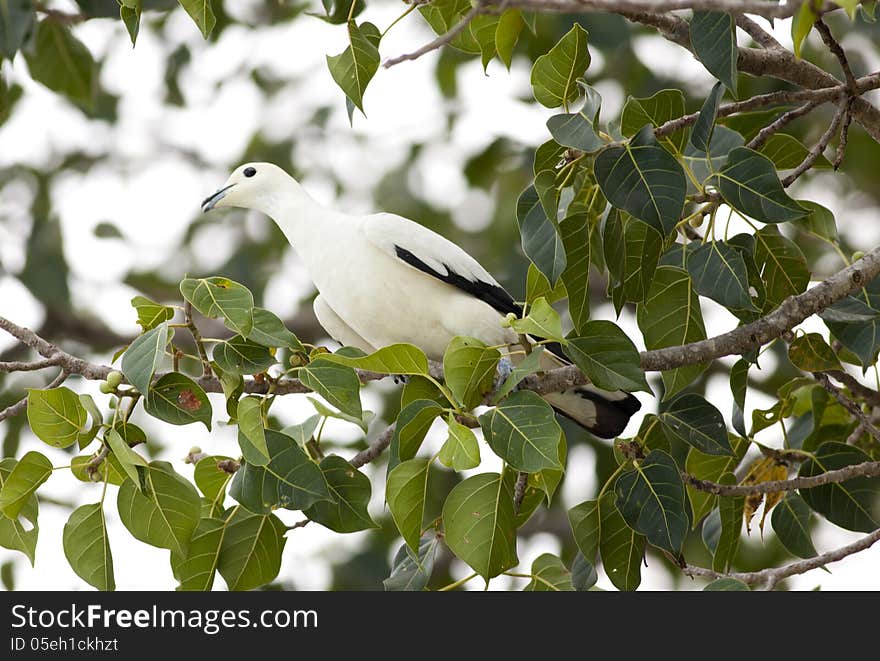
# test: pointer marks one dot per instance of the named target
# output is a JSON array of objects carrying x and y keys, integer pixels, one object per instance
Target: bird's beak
[{"x": 211, "y": 201}]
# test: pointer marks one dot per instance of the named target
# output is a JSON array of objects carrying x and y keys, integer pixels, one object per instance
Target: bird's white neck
[{"x": 296, "y": 212}]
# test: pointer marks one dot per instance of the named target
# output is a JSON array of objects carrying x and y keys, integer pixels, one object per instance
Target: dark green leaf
[
  {"x": 583, "y": 573},
  {"x": 478, "y": 518},
  {"x": 699, "y": 424},
  {"x": 783, "y": 267},
  {"x": 338, "y": 384},
  {"x": 718, "y": 271},
  {"x": 575, "y": 130},
  {"x": 196, "y": 570},
  {"x": 632, "y": 250},
  {"x": 791, "y": 523},
  {"x": 726, "y": 585},
  {"x": 730, "y": 512},
  {"x": 854, "y": 504},
  {"x": 787, "y": 152},
  {"x": 177, "y": 399},
  {"x": 713, "y": 36},
  {"x": 62, "y": 62},
  {"x": 710, "y": 467},
  {"x": 671, "y": 316},
  {"x": 131, "y": 17},
  {"x": 523, "y": 431},
  {"x": 250, "y": 555},
  {"x": 412, "y": 571},
  {"x": 749, "y": 184},
  {"x": 549, "y": 574},
  {"x": 585, "y": 527},
  {"x": 621, "y": 548},
  {"x": 655, "y": 110},
  {"x": 270, "y": 331},
  {"x": 13, "y": 534},
  {"x": 701, "y": 133},
  {"x": 143, "y": 357},
  {"x": 351, "y": 490},
  {"x": 16, "y": 22},
  {"x": 811, "y": 353},
  {"x": 819, "y": 221},
  {"x": 739, "y": 381},
  {"x": 354, "y": 67},
  {"x": 574, "y": 230},
  {"x": 540, "y": 239},
  {"x": 643, "y": 179},
  {"x": 608, "y": 357},
  {"x": 22, "y": 483},
  {"x": 651, "y": 501}
]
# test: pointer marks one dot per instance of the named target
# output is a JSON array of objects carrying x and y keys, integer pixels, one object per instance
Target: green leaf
[
  {"x": 221, "y": 297},
  {"x": 130, "y": 13},
  {"x": 351, "y": 490},
  {"x": 128, "y": 459},
  {"x": 787, "y": 152},
  {"x": 210, "y": 479},
  {"x": 655, "y": 110},
  {"x": 461, "y": 450},
  {"x": 651, "y": 501},
  {"x": 270, "y": 331},
  {"x": 819, "y": 221},
  {"x": 554, "y": 75},
  {"x": 710, "y": 467},
  {"x": 62, "y": 62},
  {"x": 538, "y": 286},
  {"x": 608, "y": 357},
  {"x": 730, "y": 511},
  {"x": 338, "y": 384},
  {"x": 643, "y": 179},
  {"x": 523, "y": 431},
  {"x": 713, "y": 36},
  {"x": 671, "y": 316},
  {"x": 393, "y": 359},
  {"x": 801, "y": 25},
  {"x": 196, "y": 570},
  {"x": 354, "y": 67},
  {"x": 549, "y": 574},
  {"x": 87, "y": 546},
  {"x": 240, "y": 356},
  {"x": 477, "y": 37},
  {"x": 413, "y": 423},
  {"x": 412, "y": 571},
  {"x": 632, "y": 251},
  {"x": 583, "y": 573},
  {"x": 201, "y": 13},
  {"x": 510, "y": 24},
  {"x": 718, "y": 271},
  {"x": 791, "y": 523},
  {"x": 726, "y": 585},
  {"x": 739, "y": 381},
  {"x": 574, "y": 230},
  {"x": 542, "y": 321},
  {"x": 540, "y": 238},
  {"x": 405, "y": 493},
  {"x": 151, "y": 314},
  {"x": 853, "y": 504},
  {"x": 26, "y": 477},
  {"x": 250, "y": 422},
  {"x": 811, "y": 353},
  {"x": 577, "y": 129},
  {"x": 144, "y": 356},
  {"x": 529, "y": 365},
  {"x": 749, "y": 184},
  {"x": 303, "y": 432},
  {"x": 16, "y": 22},
  {"x": 179, "y": 400},
  {"x": 13, "y": 534},
  {"x": 167, "y": 514},
  {"x": 855, "y": 321},
  {"x": 56, "y": 416},
  {"x": 469, "y": 369},
  {"x": 783, "y": 267},
  {"x": 621, "y": 547},
  {"x": 586, "y": 528},
  {"x": 695, "y": 421},
  {"x": 290, "y": 479},
  {"x": 478, "y": 519},
  {"x": 701, "y": 133},
  {"x": 250, "y": 555}
]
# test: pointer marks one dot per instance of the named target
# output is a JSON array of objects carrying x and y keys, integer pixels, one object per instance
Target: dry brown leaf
[{"x": 764, "y": 469}]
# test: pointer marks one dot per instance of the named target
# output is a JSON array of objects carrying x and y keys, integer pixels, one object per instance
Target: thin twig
[
  {"x": 844, "y": 135},
  {"x": 838, "y": 52},
  {"x": 21, "y": 404},
  {"x": 375, "y": 448},
  {"x": 24, "y": 366},
  {"x": 197, "y": 338},
  {"x": 756, "y": 32},
  {"x": 768, "y": 578},
  {"x": 856, "y": 387},
  {"x": 819, "y": 148},
  {"x": 848, "y": 404},
  {"x": 442, "y": 40},
  {"x": 865, "y": 469},
  {"x": 780, "y": 123},
  {"x": 519, "y": 490}
]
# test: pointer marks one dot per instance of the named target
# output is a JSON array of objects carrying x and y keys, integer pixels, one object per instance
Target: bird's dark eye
[{"x": 250, "y": 172}]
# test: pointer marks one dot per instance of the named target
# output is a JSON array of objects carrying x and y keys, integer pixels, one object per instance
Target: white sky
[{"x": 152, "y": 193}]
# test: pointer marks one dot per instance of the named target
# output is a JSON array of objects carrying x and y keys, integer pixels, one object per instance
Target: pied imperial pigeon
[{"x": 383, "y": 279}]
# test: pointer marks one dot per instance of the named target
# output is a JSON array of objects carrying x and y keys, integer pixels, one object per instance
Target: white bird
[{"x": 384, "y": 279}]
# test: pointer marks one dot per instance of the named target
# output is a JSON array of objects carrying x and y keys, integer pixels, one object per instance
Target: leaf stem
[{"x": 458, "y": 583}]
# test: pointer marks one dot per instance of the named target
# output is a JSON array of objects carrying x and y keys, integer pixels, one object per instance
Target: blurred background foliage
[{"x": 39, "y": 234}]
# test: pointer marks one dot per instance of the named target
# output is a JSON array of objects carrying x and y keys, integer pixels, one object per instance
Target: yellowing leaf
[{"x": 765, "y": 469}]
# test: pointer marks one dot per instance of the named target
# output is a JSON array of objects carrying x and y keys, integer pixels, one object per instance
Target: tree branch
[
  {"x": 819, "y": 148},
  {"x": 197, "y": 338},
  {"x": 376, "y": 448},
  {"x": 440, "y": 41},
  {"x": 848, "y": 404},
  {"x": 768, "y": 578},
  {"x": 865, "y": 469}
]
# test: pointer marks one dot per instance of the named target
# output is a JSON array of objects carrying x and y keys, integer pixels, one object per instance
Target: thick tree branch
[
  {"x": 866, "y": 469},
  {"x": 768, "y": 578}
]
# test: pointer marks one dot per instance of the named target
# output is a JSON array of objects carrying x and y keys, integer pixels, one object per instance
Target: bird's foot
[{"x": 399, "y": 378}]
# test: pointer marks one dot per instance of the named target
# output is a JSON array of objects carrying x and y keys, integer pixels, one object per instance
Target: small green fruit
[
  {"x": 106, "y": 388},
  {"x": 858, "y": 254},
  {"x": 114, "y": 379}
]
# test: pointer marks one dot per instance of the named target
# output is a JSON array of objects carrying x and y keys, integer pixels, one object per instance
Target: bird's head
[{"x": 248, "y": 186}]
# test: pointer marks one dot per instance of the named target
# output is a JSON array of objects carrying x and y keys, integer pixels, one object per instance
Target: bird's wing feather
[{"x": 428, "y": 252}]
